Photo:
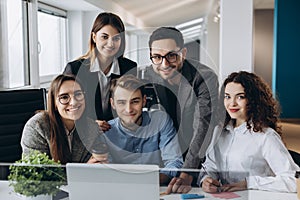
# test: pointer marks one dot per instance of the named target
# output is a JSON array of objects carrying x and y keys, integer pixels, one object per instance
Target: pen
[
  {"x": 219, "y": 189},
  {"x": 162, "y": 193}
]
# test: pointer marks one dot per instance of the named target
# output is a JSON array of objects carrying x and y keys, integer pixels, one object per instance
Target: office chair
[
  {"x": 16, "y": 107},
  {"x": 152, "y": 100},
  {"x": 296, "y": 157}
]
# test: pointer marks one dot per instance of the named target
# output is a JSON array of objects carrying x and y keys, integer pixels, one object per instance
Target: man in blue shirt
[{"x": 141, "y": 137}]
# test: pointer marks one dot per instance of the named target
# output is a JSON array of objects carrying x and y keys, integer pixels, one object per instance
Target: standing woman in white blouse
[{"x": 246, "y": 151}]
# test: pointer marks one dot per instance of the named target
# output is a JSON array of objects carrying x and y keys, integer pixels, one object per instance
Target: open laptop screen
[{"x": 112, "y": 181}]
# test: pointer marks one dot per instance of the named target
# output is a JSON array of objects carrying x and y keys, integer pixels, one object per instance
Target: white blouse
[
  {"x": 104, "y": 80},
  {"x": 236, "y": 154}
]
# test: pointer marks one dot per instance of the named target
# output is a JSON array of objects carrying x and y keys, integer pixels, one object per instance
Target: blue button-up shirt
[{"x": 154, "y": 142}]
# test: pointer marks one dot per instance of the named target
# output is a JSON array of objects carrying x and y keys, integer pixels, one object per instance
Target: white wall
[
  {"x": 75, "y": 33},
  {"x": 79, "y": 26},
  {"x": 236, "y": 37},
  {"x": 143, "y": 50},
  {"x": 212, "y": 47},
  {"x": 88, "y": 20}
]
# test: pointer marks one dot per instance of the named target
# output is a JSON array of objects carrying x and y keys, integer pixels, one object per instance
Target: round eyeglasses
[
  {"x": 171, "y": 57},
  {"x": 64, "y": 99}
]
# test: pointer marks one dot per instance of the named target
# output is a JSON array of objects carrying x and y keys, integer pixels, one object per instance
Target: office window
[
  {"x": 14, "y": 62},
  {"x": 51, "y": 41},
  {"x": 33, "y": 43}
]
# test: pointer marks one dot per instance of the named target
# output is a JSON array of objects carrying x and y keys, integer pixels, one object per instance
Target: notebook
[{"x": 112, "y": 181}]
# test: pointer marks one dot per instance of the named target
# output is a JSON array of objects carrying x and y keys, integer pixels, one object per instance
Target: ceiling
[
  {"x": 151, "y": 13},
  {"x": 166, "y": 12}
]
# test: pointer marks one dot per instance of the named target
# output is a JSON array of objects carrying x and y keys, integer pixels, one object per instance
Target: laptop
[{"x": 112, "y": 181}]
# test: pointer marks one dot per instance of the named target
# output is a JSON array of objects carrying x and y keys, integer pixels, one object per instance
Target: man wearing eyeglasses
[{"x": 188, "y": 91}]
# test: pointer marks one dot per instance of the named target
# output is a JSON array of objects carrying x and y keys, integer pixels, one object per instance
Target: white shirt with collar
[
  {"x": 104, "y": 80},
  {"x": 236, "y": 154}
]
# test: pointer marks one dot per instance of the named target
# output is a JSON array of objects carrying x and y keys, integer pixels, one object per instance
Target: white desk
[
  {"x": 6, "y": 193},
  {"x": 244, "y": 195}
]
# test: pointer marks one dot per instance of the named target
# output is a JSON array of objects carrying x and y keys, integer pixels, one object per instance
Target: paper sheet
[{"x": 225, "y": 195}]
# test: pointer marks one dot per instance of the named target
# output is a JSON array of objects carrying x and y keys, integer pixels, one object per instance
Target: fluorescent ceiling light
[
  {"x": 190, "y": 23},
  {"x": 192, "y": 32},
  {"x": 192, "y": 35},
  {"x": 191, "y": 29},
  {"x": 191, "y": 38}
]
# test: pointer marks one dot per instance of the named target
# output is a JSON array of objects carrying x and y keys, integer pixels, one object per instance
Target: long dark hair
[
  {"x": 59, "y": 147},
  {"x": 262, "y": 110},
  {"x": 102, "y": 20}
]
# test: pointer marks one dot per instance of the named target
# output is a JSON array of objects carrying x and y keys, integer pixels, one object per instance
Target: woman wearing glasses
[
  {"x": 103, "y": 62},
  {"x": 62, "y": 131}
]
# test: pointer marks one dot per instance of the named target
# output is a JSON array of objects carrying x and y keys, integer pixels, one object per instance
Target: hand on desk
[
  {"x": 211, "y": 185},
  {"x": 181, "y": 184},
  {"x": 242, "y": 185},
  {"x": 100, "y": 158},
  {"x": 103, "y": 125}
]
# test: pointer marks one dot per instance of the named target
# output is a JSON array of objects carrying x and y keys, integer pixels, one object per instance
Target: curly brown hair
[{"x": 263, "y": 109}]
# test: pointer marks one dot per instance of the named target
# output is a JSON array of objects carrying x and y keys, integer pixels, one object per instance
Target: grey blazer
[
  {"x": 197, "y": 97},
  {"x": 36, "y": 135}
]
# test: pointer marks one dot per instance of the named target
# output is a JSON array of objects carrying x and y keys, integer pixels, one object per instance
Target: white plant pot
[{"x": 38, "y": 197}]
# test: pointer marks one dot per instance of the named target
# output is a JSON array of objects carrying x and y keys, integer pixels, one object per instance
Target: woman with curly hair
[{"x": 246, "y": 151}]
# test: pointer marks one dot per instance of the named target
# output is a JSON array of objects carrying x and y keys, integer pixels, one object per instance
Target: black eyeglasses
[
  {"x": 64, "y": 99},
  {"x": 171, "y": 57}
]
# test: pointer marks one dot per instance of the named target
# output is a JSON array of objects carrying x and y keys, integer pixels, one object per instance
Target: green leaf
[{"x": 35, "y": 173}]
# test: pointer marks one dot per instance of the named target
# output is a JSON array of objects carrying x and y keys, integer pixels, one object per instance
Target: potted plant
[{"x": 36, "y": 175}]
